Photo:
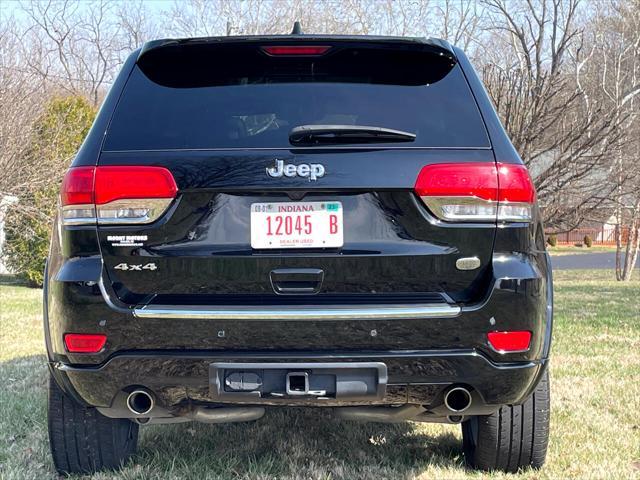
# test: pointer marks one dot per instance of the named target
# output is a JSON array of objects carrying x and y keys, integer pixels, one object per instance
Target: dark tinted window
[{"x": 185, "y": 103}]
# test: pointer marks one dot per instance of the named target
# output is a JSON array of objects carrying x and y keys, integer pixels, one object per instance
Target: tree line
[{"x": 564, "y": 76}]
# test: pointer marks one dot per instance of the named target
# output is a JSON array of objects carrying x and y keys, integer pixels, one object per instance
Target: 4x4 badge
[{"x": 312, "y": 171}]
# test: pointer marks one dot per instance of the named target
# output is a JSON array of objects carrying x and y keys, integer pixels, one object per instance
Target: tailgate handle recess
[{"x": 287, "y": 281}]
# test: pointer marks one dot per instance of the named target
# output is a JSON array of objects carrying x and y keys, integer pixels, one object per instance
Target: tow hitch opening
[{"x": 297, "y": 383}]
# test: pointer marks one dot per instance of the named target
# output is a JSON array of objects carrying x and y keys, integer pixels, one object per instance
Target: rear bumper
[
  {"x": 415, "y": 377},
  {"x": 80, "y": 302},
  {"x": 424, "y": 353}
]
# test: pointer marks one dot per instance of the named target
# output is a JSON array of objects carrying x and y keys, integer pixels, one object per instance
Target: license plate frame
[{"x": 294, "y": 225}]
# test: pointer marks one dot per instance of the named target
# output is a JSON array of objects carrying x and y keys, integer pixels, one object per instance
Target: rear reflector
[
  {"x": 116, "y": 195},
  {"x": 477, "y": 192},
  {"x": 84, "y": 342},
  {"x": 296, "y": 50},
  {"x": 514, "y": 341}
]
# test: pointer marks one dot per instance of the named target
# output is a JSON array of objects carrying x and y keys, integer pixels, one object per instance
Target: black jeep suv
[{"x": 297, "y": 220}]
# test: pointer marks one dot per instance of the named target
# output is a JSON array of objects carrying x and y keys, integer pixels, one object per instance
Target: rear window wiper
[{"x": 344, "y": 134}]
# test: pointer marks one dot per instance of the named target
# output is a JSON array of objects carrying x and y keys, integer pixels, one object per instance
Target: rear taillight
[
  {"x": 296, "y": 50},
  {"x": 509, "y": 342},
  {"x": 76, "y": 196},
  {"x": 477, "y": 192},
  {"x": 84, "y": 342},
  {"x": 516, "y": 193},
  {"x": 116, "y": 195}
]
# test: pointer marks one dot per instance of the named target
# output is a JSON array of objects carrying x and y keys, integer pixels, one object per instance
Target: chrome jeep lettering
[{"x": 312, "y": 171}]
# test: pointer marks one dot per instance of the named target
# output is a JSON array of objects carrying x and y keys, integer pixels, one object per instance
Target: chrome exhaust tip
[
  {"x": 140, "y": 402},
  {"x": 457, "y": 399}
]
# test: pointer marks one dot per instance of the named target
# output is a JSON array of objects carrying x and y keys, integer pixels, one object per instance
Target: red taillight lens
[
  {"x": 513, "y": 341},
  {"x": 514, "y": 184},
  {"x": 77, "y": 186},
  {"x": 84, "y": 342},
  {"x": 116, "y": 195},
  {"x": 114, "y": 183},
  {"x": 477, "y": 192},
  {"x": 478, "y": 180},
  {"x": 291, "y": 50}
]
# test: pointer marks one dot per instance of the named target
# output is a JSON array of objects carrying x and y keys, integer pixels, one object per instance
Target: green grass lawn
[
  {"x": 595, "y": 431},
  {"x": 571, "y": 249}
]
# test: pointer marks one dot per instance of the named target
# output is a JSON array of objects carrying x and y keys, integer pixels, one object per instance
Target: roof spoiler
[{"x": 436, "y": 45}]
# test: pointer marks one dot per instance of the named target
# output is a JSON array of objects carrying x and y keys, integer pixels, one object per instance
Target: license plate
[{"x": 296, "y": 225}]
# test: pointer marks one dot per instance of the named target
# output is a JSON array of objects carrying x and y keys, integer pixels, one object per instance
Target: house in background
[
  {"x": 601, "y": 233},
  {"x": 600, "y": 226},
  {"x": 608, "y": 232},
  {"x": 4, "y": 205}
]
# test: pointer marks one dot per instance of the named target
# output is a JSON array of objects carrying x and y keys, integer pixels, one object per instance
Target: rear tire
[
  {"x": 514, "y": 437},
  {"x": 83, "y": 440}
]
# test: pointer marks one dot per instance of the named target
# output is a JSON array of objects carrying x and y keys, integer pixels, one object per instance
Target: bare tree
[
  {"x": 21, "y": 94},
  {"x": 136, "y": 25},
  {"x": 615, "y": 72},
  {"x": 460, "y": 24},
  {"x": 78, "y": 47},
  {"x": 564, "y": 141},
  {"x": 453, "y": 20},
  {"x": 264, "y": 17}
]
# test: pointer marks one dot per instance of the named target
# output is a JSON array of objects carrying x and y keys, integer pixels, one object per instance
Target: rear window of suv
[{"x": 189, "y": 98}]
